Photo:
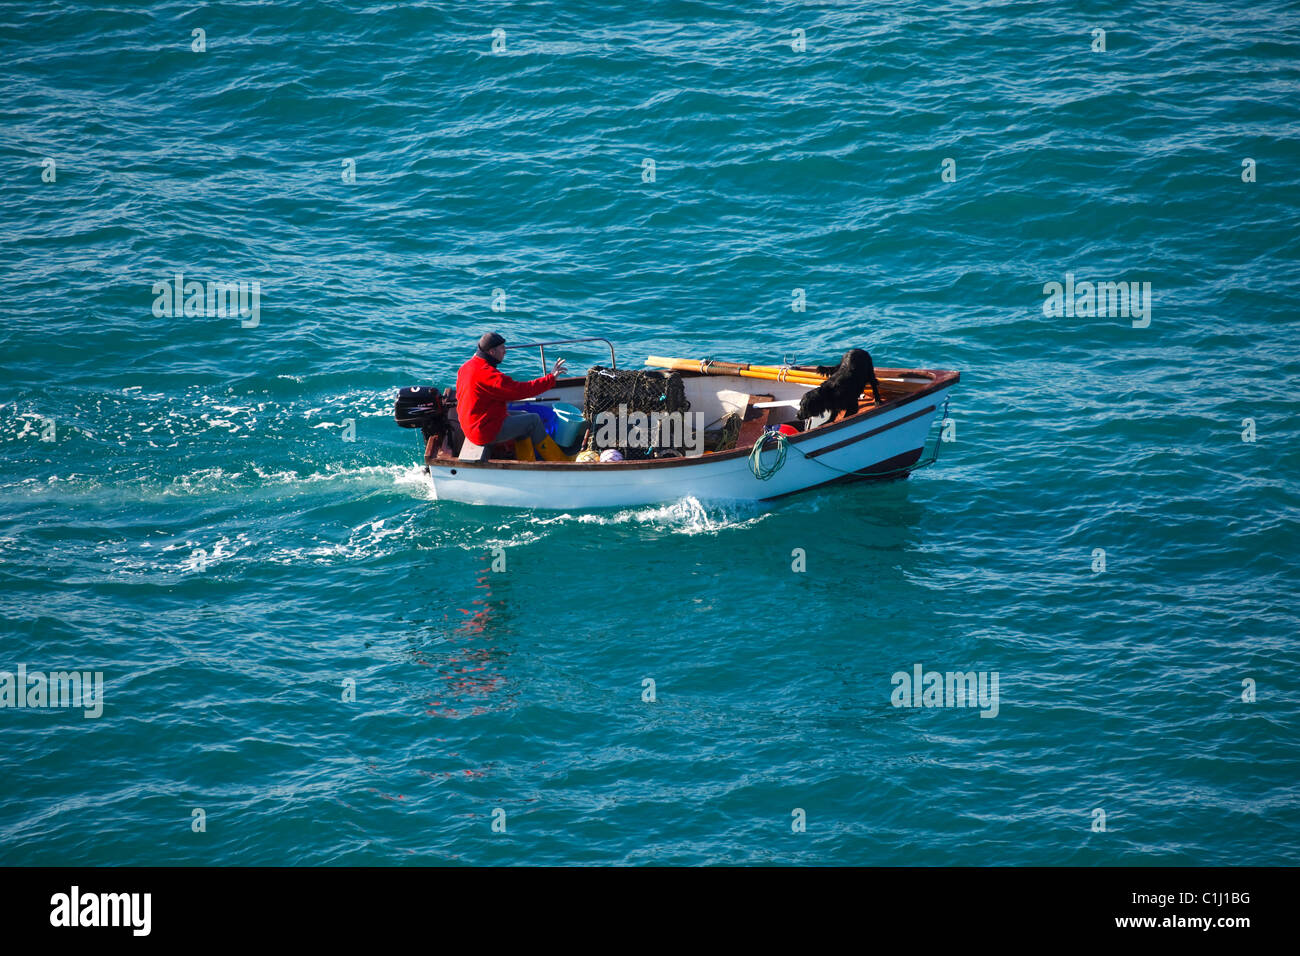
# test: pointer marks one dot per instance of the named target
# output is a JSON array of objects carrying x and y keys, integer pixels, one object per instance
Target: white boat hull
[{"x": 892, "y": 437}]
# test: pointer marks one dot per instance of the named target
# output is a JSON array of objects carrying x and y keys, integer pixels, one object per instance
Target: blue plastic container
[
  {"x": 563, "y": 421},
  {"x": 569, "y": 423}
]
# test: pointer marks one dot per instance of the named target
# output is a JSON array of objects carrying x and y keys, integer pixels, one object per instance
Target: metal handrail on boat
[{"x": 541, "y": 346}]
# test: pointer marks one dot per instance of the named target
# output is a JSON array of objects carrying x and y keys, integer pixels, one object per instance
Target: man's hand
[{"x": 560, "y": 367}]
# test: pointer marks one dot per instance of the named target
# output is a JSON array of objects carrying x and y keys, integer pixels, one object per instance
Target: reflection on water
[{"x": 466, "y": 658}]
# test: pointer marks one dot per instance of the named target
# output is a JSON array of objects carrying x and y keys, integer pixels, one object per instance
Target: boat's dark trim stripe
[
  {"x": 875, "y": 431},
  {"x": 905, "y": 460}
]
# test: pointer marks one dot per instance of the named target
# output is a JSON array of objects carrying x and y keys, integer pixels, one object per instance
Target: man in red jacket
[{"x": 481, "y": 396}]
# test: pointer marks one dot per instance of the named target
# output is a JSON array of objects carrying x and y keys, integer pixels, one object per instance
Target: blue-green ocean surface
[{"x": 180, "y": 508}]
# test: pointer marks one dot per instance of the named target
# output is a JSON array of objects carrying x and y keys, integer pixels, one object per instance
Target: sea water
[{"x": 307, "y": 660}]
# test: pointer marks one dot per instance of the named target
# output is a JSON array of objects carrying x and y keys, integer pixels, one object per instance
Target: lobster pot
[{"x": 610, "y": 392}]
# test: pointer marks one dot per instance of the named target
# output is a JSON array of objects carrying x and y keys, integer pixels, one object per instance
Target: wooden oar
[
  {"x": 795, "y": 372},
  {"x": 770, "y": 373}
]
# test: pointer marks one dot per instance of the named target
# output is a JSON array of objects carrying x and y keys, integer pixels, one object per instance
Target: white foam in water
[
  {"x": 368, "y": 540},
  {"x": 216, "y": 479},
  {"x": 203, "y": 556},
  {"x": 381, "y": 474},
  {"x": 687, "y": 516},
  {"x": 414, "y": 477}
]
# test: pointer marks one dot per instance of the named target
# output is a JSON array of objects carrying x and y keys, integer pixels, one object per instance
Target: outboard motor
[{"x": 431, "y": 411}]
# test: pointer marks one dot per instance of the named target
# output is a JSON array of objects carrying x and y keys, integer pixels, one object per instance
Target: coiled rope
[{"x": 764, "y": 472}]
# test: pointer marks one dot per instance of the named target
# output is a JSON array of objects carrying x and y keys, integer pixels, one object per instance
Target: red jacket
[{"x": 481, "y": 396}]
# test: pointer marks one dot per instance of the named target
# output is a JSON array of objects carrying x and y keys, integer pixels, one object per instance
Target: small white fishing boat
[{"x": 879, "y": 441}]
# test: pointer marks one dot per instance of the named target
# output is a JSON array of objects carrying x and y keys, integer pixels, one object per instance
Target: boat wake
[{"x": 688, "y": 516}]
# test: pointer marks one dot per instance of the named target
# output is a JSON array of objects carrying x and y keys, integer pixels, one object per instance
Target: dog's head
[
  {"x": 856, "y": 360},
  {"x": 813, "y": 403}
]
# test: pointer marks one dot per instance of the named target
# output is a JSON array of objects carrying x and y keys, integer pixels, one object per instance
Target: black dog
[{"x": 840, "y": 392}]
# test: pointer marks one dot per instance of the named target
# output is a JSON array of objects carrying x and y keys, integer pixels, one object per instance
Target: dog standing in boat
[{"x": 840, "y": 392}]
